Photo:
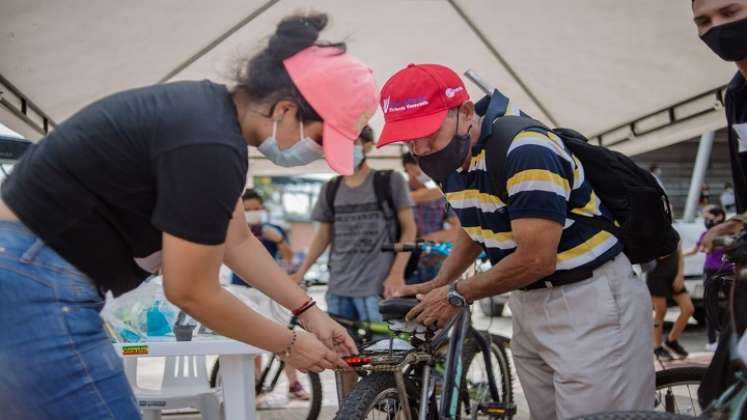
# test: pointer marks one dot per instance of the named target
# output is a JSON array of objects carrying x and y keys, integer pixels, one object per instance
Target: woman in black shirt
[{"x": 151, "y": 179}]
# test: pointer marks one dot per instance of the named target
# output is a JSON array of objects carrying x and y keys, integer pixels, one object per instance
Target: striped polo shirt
[{"x": 544, "y": 180}]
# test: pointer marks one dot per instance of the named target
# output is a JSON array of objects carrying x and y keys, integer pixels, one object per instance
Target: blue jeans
[
  {"x": 355, "y": 308},
  {"x": 56, "y": 361}
]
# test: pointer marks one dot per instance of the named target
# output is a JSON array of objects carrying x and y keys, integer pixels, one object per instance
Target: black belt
[{"x": 561, "y": 278}]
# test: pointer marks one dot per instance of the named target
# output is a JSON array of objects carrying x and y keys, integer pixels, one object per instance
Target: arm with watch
[{"x": 535, "y": 257}]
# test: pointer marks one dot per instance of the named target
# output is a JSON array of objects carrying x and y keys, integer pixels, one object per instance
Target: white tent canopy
[{"x": 599, "y": 66}]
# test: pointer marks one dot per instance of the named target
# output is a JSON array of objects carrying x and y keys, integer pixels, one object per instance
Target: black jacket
[{"x": 736, "y": 114}]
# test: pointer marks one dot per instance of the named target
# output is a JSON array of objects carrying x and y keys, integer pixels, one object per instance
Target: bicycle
[
  {"x": 400, "y": 378},
  {"x": 731, "y": 403}
]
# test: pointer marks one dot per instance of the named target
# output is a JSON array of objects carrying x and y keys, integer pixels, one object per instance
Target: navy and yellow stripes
[{"x": 543, "y": 180}]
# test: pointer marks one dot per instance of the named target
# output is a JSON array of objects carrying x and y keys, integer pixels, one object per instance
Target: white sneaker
[
  {"x": 272, "y": 401},
  {"x": 711, "y": 347}
]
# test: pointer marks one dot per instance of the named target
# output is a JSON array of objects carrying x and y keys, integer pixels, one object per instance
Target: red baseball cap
[{"x": 416, "y": 100}]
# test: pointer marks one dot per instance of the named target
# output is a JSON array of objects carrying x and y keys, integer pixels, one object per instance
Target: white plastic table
[{"x": 236, "y": 362}]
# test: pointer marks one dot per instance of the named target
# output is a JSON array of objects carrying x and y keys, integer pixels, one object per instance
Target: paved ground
[{"x": 693, "y": 339}]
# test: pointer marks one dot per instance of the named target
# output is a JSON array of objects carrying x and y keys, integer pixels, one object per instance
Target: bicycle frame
[{"x": 422, "y": 358}]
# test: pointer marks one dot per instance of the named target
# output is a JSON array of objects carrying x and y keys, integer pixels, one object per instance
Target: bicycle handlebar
[{"x": 399, "y": 247}]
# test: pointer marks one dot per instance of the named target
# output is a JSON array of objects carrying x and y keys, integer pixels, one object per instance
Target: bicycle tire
[
  {"x": 635, "y": 415},
  {"x": 505, "y": 380},
  {"x": 682, "y": 375},
  {"x": 315, "y": 391},
  {"x": 360, "y": 401}
]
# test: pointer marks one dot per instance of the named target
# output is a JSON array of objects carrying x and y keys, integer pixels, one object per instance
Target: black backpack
[{"x": 636, "y": 199}]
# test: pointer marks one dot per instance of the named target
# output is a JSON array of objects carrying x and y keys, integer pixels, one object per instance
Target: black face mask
[
  {"x": 441, "y": 164},
  {"x": 728, "y": 41},
  {"x": 711, "y": 223}
]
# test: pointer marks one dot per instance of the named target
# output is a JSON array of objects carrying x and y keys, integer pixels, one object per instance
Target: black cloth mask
[
  {"x": 728, "y": 41},
  {"x": 441, "y": 164}
]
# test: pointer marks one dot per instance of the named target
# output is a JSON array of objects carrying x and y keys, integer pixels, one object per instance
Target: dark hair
[
  {"x": 409, "y": 159},
  {"x": 265, "y": 79},
  {"x": 366, "y": 135},
  {"x": 716, "y": 210},
  {"x": 251, "y": 194}
]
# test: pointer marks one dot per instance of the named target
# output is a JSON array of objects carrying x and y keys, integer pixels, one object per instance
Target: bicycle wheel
[
  {"x": 475, "y": 379},
  {"x": 375, "y": 397},
  {"x": 677, "y": 389},
  {"x": 275, "y": 392},
  {"x": 635, "y": 415}
]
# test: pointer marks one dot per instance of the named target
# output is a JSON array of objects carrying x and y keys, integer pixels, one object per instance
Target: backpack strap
[
  {"x": 383, "y": 190},
  {"x": 504, "y": 129},
  {"x": 330, "y": 193}
]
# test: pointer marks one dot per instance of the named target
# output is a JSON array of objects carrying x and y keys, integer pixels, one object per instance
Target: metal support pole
[{"x": 699, "y": 172}]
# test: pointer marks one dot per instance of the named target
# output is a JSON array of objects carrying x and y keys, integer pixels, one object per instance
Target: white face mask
[
  {"x": 255, "y": 217},
  {"x": 301, "y": 153},
  {"x": 358, "y": 156}
]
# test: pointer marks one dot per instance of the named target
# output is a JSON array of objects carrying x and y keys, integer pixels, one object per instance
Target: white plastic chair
[{"x": 185, "y": 385}]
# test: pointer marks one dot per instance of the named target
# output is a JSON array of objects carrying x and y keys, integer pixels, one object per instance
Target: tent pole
[{"x": 699, "y": 171}]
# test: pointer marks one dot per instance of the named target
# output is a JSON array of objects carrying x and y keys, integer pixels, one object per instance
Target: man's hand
[
  {"x": 729, "y": 227},
  {"x": 434, "y": 308},
  {"x": 329, "y": 332},
  {"x": 393, "y": 284}
]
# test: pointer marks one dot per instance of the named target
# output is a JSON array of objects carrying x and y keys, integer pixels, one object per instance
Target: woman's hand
[
  {"x": 308, "y": 354},
  {"x": 332, "y": 334}
]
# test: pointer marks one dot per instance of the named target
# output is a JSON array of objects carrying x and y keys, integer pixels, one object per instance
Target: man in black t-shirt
[{"x": 722, "y": 25}]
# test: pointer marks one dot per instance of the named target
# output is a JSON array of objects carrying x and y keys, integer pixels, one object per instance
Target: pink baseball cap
[{"x": 342, "y": 90}]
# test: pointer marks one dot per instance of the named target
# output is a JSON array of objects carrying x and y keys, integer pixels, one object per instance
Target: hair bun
[{"x": 295, "y": 33}]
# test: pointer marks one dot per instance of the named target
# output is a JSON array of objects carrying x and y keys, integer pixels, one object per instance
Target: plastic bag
[{"x": 141, "y": 313}]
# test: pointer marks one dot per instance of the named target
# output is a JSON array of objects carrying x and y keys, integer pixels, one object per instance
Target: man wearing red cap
[{"x": 581, "y": 319}]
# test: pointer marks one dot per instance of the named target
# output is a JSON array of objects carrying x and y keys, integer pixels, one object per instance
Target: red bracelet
[{"x": 306, "y": 305}]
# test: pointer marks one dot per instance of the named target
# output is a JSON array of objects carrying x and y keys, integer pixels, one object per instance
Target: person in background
[
  {"x": 727, "y": 198},
  {"x": 273, "y": 237},
  {"x": 705, "y": 196},
  {"x": 713, "y": 266},
  {"x": 667, "y": 281},
  {"x": 434, "y": 220},
  {"x": 355, "y": 227},
  {"x": 275, "y": 241}
]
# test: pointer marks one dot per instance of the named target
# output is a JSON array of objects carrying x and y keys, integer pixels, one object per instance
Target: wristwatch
[{"x": 455, "y": 298}]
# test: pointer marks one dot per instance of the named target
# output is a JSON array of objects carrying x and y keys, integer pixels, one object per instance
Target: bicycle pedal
[{"x": 497, "y": 409}]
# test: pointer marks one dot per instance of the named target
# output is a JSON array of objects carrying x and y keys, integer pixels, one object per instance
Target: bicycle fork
[{"x": 453, "y": 374}]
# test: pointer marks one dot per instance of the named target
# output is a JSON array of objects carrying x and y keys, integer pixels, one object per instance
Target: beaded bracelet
[{"x": 288, "y": 350}]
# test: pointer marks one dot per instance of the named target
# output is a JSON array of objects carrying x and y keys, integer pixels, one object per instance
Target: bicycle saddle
[{"x": 396, "y": 308}]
